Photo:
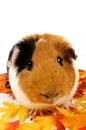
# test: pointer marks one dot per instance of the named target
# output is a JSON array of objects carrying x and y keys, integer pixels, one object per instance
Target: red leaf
[
  {"x": 58, "y": 124},
  {"x": 84, "y": 128},
  {"x": 12, "y": 125}
]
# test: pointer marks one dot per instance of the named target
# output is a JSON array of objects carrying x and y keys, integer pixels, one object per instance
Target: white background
[{"x": 62, "y": 17}]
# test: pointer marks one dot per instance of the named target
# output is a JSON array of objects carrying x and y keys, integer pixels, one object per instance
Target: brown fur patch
[{"x": 48, "y": 77}]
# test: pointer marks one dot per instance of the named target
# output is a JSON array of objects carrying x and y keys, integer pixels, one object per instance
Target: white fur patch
[
  {"x": 67, "y": 101},
  {"x": 76, "y": 81},
  {"x": 16, "y": 89}
]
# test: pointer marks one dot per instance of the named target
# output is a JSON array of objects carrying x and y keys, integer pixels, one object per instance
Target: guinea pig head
[{"x": 42, "y": 71}]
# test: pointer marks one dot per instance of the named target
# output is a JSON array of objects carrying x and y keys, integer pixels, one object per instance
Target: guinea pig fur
[{"x": 42, "y": 71}]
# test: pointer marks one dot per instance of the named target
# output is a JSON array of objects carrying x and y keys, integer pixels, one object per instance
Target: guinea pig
[{"x": 42, "y": 71}]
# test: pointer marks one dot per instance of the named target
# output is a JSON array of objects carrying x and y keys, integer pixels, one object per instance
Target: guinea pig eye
[
  {"x": 60, "y": 60},
  {"x": 29, "y": 65}
]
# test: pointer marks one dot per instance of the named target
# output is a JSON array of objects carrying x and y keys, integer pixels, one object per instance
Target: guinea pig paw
[
  {"x": 69, "y": 106},
  {"x": 73, "y": 106},
  {"x": 34, "y": 113},
  {"x": 65, "y": 106}
]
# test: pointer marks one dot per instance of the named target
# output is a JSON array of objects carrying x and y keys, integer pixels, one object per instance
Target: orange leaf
[
  {"x": 74, "y": 123},
  {"x": 12, "y": 125},
  {"x": 3, "y": 88},
  {"x": 50, "y": 122}
]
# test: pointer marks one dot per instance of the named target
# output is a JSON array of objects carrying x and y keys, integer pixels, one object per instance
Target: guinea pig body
[{"x": 42, "y": 72}]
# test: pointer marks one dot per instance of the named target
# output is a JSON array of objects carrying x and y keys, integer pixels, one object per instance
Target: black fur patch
[{"x": 26, "y": 48}]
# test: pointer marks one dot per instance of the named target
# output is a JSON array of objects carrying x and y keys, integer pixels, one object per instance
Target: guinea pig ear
[
  {"x": 13, "y": 56},
  {"x": 70, "y": 54}
]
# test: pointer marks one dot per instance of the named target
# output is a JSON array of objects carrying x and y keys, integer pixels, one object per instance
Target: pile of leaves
[{"x": 62, "y": 119}]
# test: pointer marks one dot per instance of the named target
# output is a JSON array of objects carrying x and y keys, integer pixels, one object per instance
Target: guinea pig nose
[
  {"x": 49, "y": 95},
  {"x": 45, "y": 95}
]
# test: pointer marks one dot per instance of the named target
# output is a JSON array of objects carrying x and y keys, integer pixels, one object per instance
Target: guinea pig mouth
[{"x": 48, "y": 96}]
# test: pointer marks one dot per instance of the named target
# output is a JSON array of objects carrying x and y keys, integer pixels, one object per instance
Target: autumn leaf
[{"x": 12, "y": 125}]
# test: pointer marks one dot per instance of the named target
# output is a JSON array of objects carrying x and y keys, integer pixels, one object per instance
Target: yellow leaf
[
  {"x": 2, "y": 109},
  {"x": 23, "y": 113},
  {"x": 2, "y": 125},
  {"x": 65, "y": 112},
  {"x": 29, "y": 126}
]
